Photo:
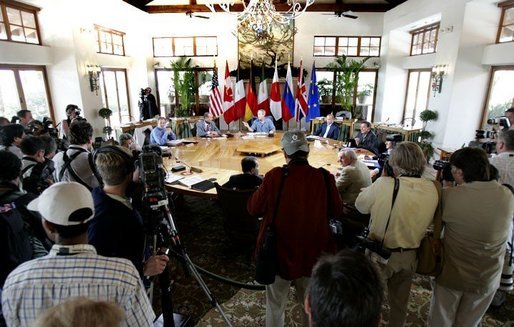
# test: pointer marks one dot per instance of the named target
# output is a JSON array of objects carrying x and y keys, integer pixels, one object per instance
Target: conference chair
[{"x": 240, "y": 227}]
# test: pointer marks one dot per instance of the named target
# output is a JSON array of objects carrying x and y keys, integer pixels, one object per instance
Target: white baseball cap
[
  {"x": 293, "y": 142},
  {"x": 65, "y": 204}
]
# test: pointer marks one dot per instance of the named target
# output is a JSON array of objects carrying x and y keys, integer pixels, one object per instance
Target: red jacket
[{"x": 302, "y": 220}]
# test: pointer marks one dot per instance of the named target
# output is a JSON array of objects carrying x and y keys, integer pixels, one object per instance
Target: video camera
[
  {"x": 153, "y": 176},
  {"x": 502, "y": 121},
  {"x": 484, "y": 139},
  {"x": 446, "y": 168}
]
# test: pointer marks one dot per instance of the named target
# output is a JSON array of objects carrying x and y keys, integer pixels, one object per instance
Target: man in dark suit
[
  {"x": 366, "y": 138},
  {"x": 328, "y": 129},
  {"x": 249, "y": 179}
]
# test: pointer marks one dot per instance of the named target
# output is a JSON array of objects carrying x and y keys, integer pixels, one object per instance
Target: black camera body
[
  {"x": 446, "y": 169},
  {"x": 153, "y": 175},
  {"x": 372, "y": 245}
]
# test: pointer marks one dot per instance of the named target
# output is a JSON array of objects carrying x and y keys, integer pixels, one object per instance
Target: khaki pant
[
  {"x": 397, "y": 275},
  {"x": 450, "y": 307},
  {"x": 276, "y": 300}
]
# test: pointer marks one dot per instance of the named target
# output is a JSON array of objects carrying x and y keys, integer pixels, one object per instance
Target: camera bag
[{"x": 429, "y": 262}]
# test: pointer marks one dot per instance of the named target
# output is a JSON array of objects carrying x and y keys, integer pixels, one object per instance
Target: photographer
[
  {"x": 72, "y": 113},
  {"x": 10, "y": 137},
  {"x": 477, "y": 217},
  {"x": 147, "y": 105},
  {"x": 36, "y": 172},
  {"x": 401, "y": 226},
  {"x": 117, "y": 229}
]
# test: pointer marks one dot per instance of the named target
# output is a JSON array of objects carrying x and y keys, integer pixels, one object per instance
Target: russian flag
[{"x": 288, "y": 101}]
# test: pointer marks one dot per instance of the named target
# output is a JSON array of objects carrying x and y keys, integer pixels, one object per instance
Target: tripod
[{"x": 179, "y": 251}]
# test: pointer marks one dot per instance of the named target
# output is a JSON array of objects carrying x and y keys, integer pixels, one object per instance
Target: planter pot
[{"x": 327, "y": 99}]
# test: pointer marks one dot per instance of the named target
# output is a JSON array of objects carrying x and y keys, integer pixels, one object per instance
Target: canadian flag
[{"x": 228, "y": 97}]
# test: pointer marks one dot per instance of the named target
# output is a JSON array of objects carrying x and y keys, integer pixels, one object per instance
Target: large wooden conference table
[{"x": 219, "y": 158}]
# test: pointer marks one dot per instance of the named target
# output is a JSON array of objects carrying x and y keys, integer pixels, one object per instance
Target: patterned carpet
[{"x": 199, "y": 223}]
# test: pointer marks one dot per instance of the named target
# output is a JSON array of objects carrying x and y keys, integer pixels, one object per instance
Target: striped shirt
[{"x": 71, "y": 271}]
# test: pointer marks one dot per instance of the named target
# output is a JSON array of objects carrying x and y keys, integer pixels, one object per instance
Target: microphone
[{"x": 191, "y": 168}]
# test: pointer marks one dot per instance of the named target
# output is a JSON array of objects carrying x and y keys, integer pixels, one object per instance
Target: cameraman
[
  {"x": 407, "y": 221},
  {"x": 36, "y": 171},
  {"x": 117, "y": 229},
  {"x": 147, "y": 105},
  {"x": 72, "y": 113}
]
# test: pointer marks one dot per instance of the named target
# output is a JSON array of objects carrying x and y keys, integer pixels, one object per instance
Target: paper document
[
  {"x": 172, "y": 178},
  {"x": 189, "y": 181}
]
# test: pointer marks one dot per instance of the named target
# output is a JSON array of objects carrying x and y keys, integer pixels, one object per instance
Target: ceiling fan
[
  {"x": 195, "y": 15},
  {"x": 347, "y": 14}
]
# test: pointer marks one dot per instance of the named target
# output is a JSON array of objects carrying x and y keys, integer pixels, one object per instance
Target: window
[
  {"x": 109, "y": 41},
  {"x": 115, "y": 95},
  {"x": 506, "y": 28},
  {"x": 363, "y": 101},
  {"x": 501, "y": 89},
  {"x": 169, "y": 100},
  {"x": 418, "y": 91},
  {"x": 195, "y": 46},
  {"x": 424, "y": 40},
  {"x": 352, "y": 46},
  {"x": 24, "y": 87},
  {"x": 18, "y": 22}
]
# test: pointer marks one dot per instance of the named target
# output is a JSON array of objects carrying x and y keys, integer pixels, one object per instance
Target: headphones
[{"x": 128, "y": 167}]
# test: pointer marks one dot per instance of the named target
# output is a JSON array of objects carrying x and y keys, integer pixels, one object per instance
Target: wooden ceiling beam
[{"x": 321, "y": 7}]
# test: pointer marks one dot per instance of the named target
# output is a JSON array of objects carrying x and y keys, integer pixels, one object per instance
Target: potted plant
[
  {"x": 364, "y": 92},
  {"x": 425, "y": 137},
  {"x": 325, "y": 88},
  {"x": 347, "y": 73},
  {"x": 183, "y": 80},
  {"x": 106, "y": 114}
]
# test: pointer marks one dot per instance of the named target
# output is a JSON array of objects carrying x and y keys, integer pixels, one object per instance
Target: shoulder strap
[
  {"x": 325, "y": 173},
  {"x": 24, "y": 170},
  {"x": 395, "y": 193},
  {"x": 438, "y": 215},
  {"x": 67, "y": 166},
  {"x": 282, "y": 179}
]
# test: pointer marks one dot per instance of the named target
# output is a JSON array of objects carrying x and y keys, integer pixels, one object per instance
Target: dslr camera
[
  {"x": 365, "y": 243},
  {"x": 446, "y": 168}
]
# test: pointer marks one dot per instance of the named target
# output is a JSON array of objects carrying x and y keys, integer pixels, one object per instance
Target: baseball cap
[
  {"x": 65, "y": 204},
  {"x": 294, "y": 141}
]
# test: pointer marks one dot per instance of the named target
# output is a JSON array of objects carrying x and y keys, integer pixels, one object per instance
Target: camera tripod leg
[{"x": 181, "y": 254}]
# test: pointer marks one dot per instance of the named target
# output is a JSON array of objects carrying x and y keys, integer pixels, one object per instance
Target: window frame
[
  {"x": 423, "y": 31},
  {"x": 485, "y": 109},
  {"x": 420, "y": 70},
  {"x": 195, "y": 106},
  {"x": 505, "y": 5},
  {"x": 21, "y": 7},
  {"x": 359, "y": 44},
  {"x": 334, "y": 104},
  {"x": 104, "y": 91},
  {"x": 173, "y": 49},
  {"x": 19, "y": 86},
  {"x": 111, "y": 32}
]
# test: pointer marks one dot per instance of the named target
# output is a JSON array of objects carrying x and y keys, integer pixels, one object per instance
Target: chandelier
[{"x": 261, "y": 15}]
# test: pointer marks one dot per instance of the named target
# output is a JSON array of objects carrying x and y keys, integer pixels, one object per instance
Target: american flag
[{"x": 215, "y": 100}]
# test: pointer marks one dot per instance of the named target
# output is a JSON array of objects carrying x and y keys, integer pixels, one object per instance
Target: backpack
[{"x": 15, "y": 246}]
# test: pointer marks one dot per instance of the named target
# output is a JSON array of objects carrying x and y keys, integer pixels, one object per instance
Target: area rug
[{"x": 200, "y": 225}]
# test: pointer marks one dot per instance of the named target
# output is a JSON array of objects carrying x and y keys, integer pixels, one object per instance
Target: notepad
[
  {"x": 203, "y": 185},
  {"x": 172, "y": 178},
  {"x": 190, "y": 181}
]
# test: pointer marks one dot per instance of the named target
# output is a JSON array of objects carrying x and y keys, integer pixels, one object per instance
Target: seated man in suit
[
  {"x": 262, "y": 124},
  {"x": 249, "y": 179},
  {"x": 206, "y": 128},
  {"x": 366, "y": 138},
  {"x": 162, "y": 133},
  {"x": 352, "y": 177},
  {"x": 328, "y": 129}
]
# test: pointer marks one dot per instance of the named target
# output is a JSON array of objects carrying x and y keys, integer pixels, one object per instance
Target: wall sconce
[
  {"x": 94, "y": 74},
  {"x": 438, "y": 72}
]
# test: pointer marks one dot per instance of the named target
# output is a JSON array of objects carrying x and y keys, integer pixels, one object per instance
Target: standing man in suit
[
  {"x": 148, "y": 105},
  {"x": 328, "y": 129},
  {"x": 249, "y": 179},
  {"x": 206, "y": 128}
]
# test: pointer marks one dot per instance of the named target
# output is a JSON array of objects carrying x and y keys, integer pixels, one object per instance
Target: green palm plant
[
  {"x": 183, "y": 80},
  {"x": 347, "y": 73}
]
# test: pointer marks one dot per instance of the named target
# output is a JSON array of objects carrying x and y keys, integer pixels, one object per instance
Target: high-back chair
[{"x": 239, "y": 225}]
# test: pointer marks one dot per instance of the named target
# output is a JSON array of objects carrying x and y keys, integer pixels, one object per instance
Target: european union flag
[{"x": 313, "y": 101}]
